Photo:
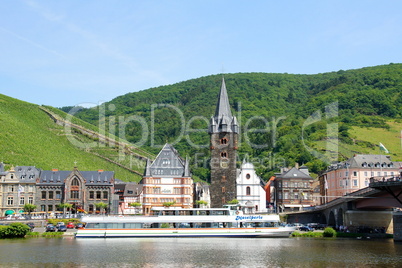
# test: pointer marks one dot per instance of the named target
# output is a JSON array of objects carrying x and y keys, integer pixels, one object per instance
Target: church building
[
  {"x": 223, "y": 130},
  {"x": 250, "y": 190}
]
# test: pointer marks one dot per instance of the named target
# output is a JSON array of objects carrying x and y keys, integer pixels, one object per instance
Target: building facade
[
  {"x": 82, "y": 189},
  {"x": 250, "y": 190},
  {"x": 354, "y": 174},
  {"x": 201, "y": 193},
  {"x": 128, "y": 193},
  {"x": 223, "y": 130},
  {"x": 17, "y": 188},
  {"x": 167, "y": 180},
  {"x": 293, "y": 190}
]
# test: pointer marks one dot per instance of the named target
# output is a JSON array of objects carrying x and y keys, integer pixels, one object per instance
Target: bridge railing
[{"x": 385, "y": 181}]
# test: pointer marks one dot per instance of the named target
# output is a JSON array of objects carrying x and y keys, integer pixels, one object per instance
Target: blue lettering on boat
[{"x": 240, "y": 218}]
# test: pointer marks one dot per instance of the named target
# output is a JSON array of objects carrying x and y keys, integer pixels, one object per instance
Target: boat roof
[{"x": 182, "y": 219}]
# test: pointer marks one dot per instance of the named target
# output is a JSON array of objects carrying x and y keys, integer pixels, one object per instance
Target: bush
[
  {"x": 3, "y": 230},
  {"x": 14, "y": 230},
  {"x": 329, "y": 232}
]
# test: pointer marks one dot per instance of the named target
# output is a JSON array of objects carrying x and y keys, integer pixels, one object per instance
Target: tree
[
  {"x": 169, "y": 204},
  {"x": 101, "y": 206},
  {"x": 233, "y": 202},
  {"x": 201, "y": 202},
  {"x": 64, "y": 207},
  {"x": 136, "y": 205},
  {"x": 29, "y": 208}
]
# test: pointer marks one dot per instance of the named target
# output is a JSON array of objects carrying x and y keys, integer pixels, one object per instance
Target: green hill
[
  {"x": 284, "y": 117},
  {"x": 29, "y": 136}
]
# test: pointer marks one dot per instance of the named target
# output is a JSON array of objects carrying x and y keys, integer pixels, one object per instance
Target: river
[{"x": 200, "y": 252}]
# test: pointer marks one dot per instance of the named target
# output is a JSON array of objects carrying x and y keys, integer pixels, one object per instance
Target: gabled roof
[
  {"x": 167, "y": 163},
  {"x": 133, "y": 189},
  {"x": 294, "y": 173}
]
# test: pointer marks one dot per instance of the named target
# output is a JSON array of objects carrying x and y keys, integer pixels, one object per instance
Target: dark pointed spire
[
  {"x": 223, "y": 107},
  {"x": 223, "y": 121}
]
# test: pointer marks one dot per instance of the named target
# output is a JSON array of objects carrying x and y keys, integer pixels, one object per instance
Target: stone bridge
[{"x": 372, "y": 209}]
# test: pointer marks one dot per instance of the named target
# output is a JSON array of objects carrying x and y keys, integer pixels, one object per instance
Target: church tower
[{"x": 223, "y": 130}]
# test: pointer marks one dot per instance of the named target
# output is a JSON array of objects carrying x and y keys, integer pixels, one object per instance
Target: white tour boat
[{"x": 172, "y": 222}]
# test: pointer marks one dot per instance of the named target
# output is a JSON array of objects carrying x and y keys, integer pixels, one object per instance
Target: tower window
[
  {"x": 223, "y": 189},
  {"x": 75, "y": 182},
  {"x": 248, "y": 190},
  {"x": 224, "y": 154},
  {"x": 247, "y": 176},
  {"x": 223, "y": 179},
  {"x": 224, "y": 141}
]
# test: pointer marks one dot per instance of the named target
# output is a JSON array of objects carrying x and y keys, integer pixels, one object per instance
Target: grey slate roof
[
  {"x": 27, "y": 173},
  {"x": 91, "y": 177},
  {"x": 366, "y": 161},
  {"x": 2, "y": 172},
  {"x": 168, "y": 163},
  {"x": 360, "y": 159},
  {"x": 132, "y": 189},
  {"x": 294, "y": 173},
  {"x": 223, "y": 121}
]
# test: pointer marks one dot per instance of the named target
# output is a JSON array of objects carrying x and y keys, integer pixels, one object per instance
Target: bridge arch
[
  {"x": 339, "y": 218},
  {"x": 331, "y": 219}
]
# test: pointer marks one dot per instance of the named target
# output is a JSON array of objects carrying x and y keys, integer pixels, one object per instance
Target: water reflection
[{"x": 199, "y": 252}]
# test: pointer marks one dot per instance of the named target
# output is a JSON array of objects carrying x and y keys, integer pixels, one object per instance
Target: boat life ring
[{"x": 237, "y": 212}]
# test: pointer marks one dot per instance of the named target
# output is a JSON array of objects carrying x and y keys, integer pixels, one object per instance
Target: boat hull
[{"x": 186, "y": 232}]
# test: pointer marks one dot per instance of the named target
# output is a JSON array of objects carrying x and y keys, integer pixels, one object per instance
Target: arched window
[
  {"x": 224, "y": 154},
  {"x": 248, "y": 190},
  {"x": 75, "y": 182},
  {"x": 248, "y": 176},
  {"x": 224, "y": 141}
]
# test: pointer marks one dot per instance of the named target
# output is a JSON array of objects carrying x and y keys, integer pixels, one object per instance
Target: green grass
[
  {"x": 307, "y": 234},
  {"x": 390, "y": 138},
  {"x": 30, "y": 138}
]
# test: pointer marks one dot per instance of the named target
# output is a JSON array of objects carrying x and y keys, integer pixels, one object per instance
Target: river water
[{"x": 199, "y": 252}]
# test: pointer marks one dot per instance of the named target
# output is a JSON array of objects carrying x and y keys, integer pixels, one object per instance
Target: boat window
[
  {"x": 132, "y": 225},
  {"x": 100, "y": 225}
]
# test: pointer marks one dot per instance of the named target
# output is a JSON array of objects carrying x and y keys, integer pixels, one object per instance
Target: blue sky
[{"x": 63, "y": 53}]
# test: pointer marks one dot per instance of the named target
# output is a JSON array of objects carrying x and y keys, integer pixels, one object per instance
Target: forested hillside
[{"x": 283, "y": 116}]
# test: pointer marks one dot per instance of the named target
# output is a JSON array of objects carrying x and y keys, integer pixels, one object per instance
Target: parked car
[
  {"x": 306, "y": 228},
  {"x": 70, "y": 225},
  {"x": 59, "y": 224},
  {"x": 62, "y": 228},
  {"x": 313, "y": 225},
  {"x": 31, "y": 225},
  {"x": 79, "y": 225},
  {"x": 50, "y": 228}
]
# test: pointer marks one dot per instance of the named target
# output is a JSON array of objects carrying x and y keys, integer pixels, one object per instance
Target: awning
[{"x": 9, "y": 212}]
